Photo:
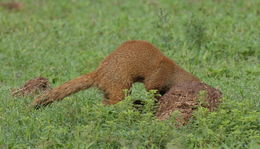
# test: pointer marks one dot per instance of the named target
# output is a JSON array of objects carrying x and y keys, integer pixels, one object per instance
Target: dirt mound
[
  {"x": 12, "y": 5},
  {"x": 32, "y": 87},
  {"x": 185, "y": 98}
]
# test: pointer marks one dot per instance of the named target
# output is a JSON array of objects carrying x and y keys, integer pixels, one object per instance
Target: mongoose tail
[{"x": 80, "y": 83}]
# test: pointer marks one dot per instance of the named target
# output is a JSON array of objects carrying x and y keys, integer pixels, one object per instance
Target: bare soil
[{"x": 185, "y": 98}]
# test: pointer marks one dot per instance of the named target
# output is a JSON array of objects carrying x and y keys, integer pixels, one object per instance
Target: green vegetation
[{"x": 217, "y": 40}]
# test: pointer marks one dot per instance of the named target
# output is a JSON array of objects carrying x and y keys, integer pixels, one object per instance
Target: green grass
[{"x": 217, "y": 40}]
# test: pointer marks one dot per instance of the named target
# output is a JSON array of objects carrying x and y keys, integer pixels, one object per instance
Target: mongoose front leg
[
  {"x": 114, "y": 94},
  {"x": 156, "y": 85},
  {"x": 113, "y": 97}
]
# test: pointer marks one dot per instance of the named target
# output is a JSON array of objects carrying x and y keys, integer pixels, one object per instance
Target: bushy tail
[{"x": 64, "y": 90}]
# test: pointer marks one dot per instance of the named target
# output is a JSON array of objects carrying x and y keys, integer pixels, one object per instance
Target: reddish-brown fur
[{"x": 133, "y": 61}]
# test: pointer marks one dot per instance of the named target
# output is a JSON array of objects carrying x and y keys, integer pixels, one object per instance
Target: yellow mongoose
[{"x": 133, "y": 61}]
